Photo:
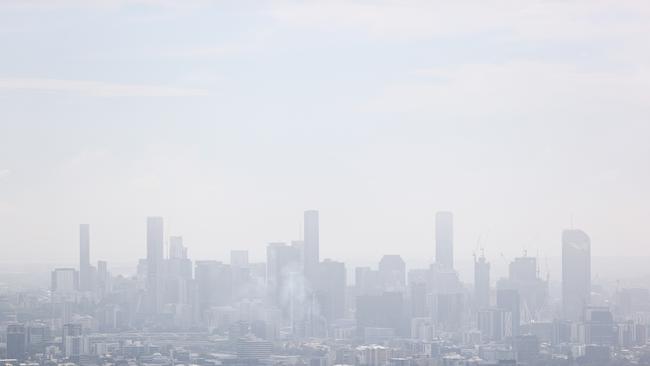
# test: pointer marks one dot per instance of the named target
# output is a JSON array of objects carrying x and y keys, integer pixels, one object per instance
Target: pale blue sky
[{"x": 231, "y": 118}]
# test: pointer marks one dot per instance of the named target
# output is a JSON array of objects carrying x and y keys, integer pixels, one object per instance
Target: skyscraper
[
  {"x": 576, "y": 273},
  {"x": 154, "y": 263},
  {"x": 16, "y": 341},
  {"x": 481, "y": 283},
  {"x": 445, "y": 239},
  {"x": 330, "y": 289},
  {"x": 85, "y": 271},
  {"x": 282, "y": 263},
  {"x": 508, "y": 299},
  {"x": 311, "y": 255}
]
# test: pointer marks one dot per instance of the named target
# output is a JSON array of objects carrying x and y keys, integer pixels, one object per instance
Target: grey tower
[
  {"x": 576, "y": 273},
  {"x": 154, "y": 263},
  {"x": 481, "y": 283},
  {"x": 85, "y": 270},
  {"x": 445, "y": 240},
  {"x": 311, "y": 256}
]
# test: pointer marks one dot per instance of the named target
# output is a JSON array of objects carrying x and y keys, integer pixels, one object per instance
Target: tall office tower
[
  {"x": 102, "y": 278},
  {"x": 481, "y": 283},
  {"x": 73, "y": 341},
  {"x": 85, "y": 271},
  {"x": 508, "y": 299},
  {"x": 533, "y": 291},
  {"x": 445, "y": 240},
  {"x": 576, "y": 273},
  {"x": 392, "y": 271},
  {"x": 214, "y": 284},
  {"x": 155, "y": 263},
  {"x": 16, "y": 341},
  {"x": 282, "y": 266},
  {"x": 495, "y": 324},
  {"x": 178, "y": 273},
  {"x": 311, "y": 256},
  {"x": 330, "y": 289}
]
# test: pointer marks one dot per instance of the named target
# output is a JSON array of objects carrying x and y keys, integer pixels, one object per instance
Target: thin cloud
[{"x": 97, "y": 88}]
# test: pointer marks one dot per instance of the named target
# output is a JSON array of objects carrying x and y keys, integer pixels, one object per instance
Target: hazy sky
[{"x": 229, "y": 118}]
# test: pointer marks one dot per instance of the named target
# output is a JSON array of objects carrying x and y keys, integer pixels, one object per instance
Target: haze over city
[{"x": 327, "y": 182}]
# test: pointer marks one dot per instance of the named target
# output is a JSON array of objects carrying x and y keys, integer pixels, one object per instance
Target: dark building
[
  {"x": 599, "y": 326},
  {"x": 16, "y": 341}
]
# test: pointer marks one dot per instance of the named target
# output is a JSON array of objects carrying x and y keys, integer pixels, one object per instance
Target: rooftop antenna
[{"x": 571, "y": 221}]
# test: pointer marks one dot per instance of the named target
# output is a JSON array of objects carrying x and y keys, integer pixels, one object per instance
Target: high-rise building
[
  {"x": 445, "y": 239},
  {"x": 85, "y": 271},
  {"x": 282, "y": 266},
  {"x": 73, "y": 341},
  {"x": 508, "y": 299},
  {"x": 155, "y": 263},
  {"x": 330, "y": 289},
  {"x": 178, "y": 273},
  {"x": 214, "y": 284},
  {"x": 481, "y": 283},
  {"x": 599, "y": 325},
  {"x": 16, "y": 341},
  {"x": 576, "y": 273},
  {"x": 37, "y": 333},
  {"x": 495, "y": 324},
  {"x": 102, "y": 279},
  {"x": 533, "y": 291},
  {"x": 311, "y": 256}
]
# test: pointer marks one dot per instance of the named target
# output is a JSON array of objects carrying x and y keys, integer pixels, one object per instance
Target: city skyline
[{"x": 324, "y": 183}]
